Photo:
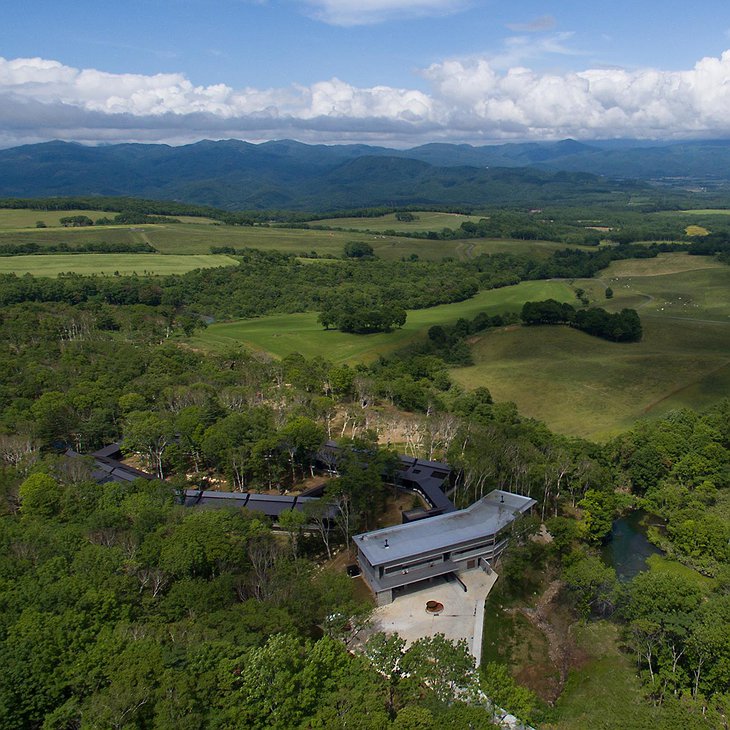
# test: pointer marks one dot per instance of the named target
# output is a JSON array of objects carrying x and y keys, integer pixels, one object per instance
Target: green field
[
  {"x": 14, "y": 218},
  {"x": 425, "y": 221},
  {"x": 113, "y": 263},
  {"x": 11, "y": 218},
  {"x": 706, "y": 211},
  {"x": 197, "y": 238},
  {"x": 286, "y": 333},
  {"x": 585, "y": 386}
]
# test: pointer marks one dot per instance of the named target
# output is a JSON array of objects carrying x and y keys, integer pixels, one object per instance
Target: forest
[{"x": 122, "y": 608}]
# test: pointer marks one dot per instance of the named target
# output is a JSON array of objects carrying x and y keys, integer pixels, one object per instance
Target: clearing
[{"x": 282, "y": 334}]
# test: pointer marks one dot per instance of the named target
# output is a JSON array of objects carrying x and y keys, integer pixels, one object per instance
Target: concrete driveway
[{"x": 462, "y": 617}]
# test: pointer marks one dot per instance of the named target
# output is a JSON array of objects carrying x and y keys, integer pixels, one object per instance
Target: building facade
[{"x": 395, "y": 557}]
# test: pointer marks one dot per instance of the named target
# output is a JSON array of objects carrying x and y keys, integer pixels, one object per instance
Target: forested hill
[{"x": 287, "y": 175}]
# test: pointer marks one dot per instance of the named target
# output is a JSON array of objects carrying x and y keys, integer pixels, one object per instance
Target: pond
[{"x": 629, "y": 548}]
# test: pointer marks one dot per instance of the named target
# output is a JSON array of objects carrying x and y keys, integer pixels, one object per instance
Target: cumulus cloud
[
  {"x": 369, "y": 12},
  {"x": 468, "y": 100}
]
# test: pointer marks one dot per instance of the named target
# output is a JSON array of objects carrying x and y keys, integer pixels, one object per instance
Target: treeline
[
  {"x": 267, "y": 282},
  {"x": 16, "y": 249},
  {"x": 714, "y": 244},
  {"x": 623, "y": 326}
]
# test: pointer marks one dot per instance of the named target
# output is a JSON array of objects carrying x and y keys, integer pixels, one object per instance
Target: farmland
[
  {"x": 109, "y": 264},
  {"x": 281, "y": 335},
  {"x": 581, "y": 385},
  {"x": 423, "y": 221},
  {"x": 198, "y": 237}
]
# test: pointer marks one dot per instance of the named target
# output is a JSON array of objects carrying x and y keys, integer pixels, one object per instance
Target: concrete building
[{"x": 395, "y": 557}]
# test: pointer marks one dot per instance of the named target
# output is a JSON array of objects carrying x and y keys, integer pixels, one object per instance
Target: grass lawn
[
  {"x": 584, "y": 386},
  {"x": 123, "y": 263},
  {"x": 286, "y": 333},
  {"x": 603, "y": 694},
  {"x": 425, "y": 221}
]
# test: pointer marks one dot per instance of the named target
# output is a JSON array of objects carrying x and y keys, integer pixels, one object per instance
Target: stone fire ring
[{"x": 434, "y": 607}]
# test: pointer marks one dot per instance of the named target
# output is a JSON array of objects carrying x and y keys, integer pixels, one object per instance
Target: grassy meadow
[
  {"x": 22, "y": 218},
  {"x": 198, "y": 237},
  {"x": 283, "y": 334},
  {"x": 585, "y": 386},
  {"x": 87, "y": 264},
  {"x": 424, "y": 221}
]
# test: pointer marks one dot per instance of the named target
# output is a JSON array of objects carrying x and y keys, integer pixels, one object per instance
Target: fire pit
[{"x": 434, "y": 607}]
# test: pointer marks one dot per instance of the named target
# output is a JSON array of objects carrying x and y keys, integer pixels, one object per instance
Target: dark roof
[
  {"x": 105, "y": 469},
  {"x": 421, "y": 475},
  {"x": 271, "y": 505},
  {"x": 113, "y": 451}
]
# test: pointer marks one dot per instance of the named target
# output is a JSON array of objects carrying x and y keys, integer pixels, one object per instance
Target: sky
[{"x": 394, "y": 72}]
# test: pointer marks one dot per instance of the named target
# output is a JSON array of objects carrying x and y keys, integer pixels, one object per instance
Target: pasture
[
  {"x": 424, "y": 221},
  {"x": 584, "y": 386},
  {"x": 12, "y": 218},
  {"x": 197, "y": 238},
  {"x": 22, "y": 218},
  {"x": 109, "y": 264},
  {"x": 283, "y": 334}
]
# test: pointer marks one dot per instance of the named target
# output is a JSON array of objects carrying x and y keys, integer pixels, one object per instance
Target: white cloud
[
  {"x": 471, "y": 100},
  {"x": 369, "y": 12}
]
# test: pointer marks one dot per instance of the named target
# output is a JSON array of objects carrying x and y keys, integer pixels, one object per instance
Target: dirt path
[
  {"x": 691, "y": 384},
  {"x": 558, "y": 649}
]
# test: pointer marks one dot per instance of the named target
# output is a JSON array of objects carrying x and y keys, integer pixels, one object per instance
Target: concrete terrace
[{"x": 462, "y": 617}]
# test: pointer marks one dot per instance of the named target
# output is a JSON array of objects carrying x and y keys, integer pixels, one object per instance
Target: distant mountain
[{"x": 233, "y": 174}]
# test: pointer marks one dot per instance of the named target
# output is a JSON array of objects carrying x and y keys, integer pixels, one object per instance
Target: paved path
[{"x": 462, "y": 617}]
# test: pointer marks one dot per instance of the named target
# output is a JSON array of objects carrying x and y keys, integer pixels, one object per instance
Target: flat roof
[
  {"x": 485, "y": 517},
  {"x": 270, "y": 504}
]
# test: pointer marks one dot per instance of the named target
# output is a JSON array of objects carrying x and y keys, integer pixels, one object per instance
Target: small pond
[{"x": 628, "y": 549}]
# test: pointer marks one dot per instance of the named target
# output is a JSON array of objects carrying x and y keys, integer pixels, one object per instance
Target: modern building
[
  {"x": 105, "y": 466},
  {"x": 272, "y": 505},
  {"x": 432, "y": 480},
  {"x": 395, "y": 557}
]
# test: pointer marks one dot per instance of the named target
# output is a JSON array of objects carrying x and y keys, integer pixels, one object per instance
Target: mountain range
[{"x": 236, "y": 175}]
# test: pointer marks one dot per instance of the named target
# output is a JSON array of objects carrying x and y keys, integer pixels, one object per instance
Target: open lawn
[
  {"x": 122, "y": 263},
  {"x": 286, "y": 333},
  {"x": 425, "y": 221},
  {"x": 585, "y": 386}
]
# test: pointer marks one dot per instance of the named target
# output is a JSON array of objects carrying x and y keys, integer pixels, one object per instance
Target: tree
[
  {"x": 445, "y": 667},
  {"x": 150, "y": 434},
  {"x": 593, "y": 584},
  {"x": 40, "y": 496},
  {"x": 358, "y": 250}
]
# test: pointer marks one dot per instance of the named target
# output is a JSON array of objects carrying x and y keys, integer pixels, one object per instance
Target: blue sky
[{"x": 389, "y": 71}]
